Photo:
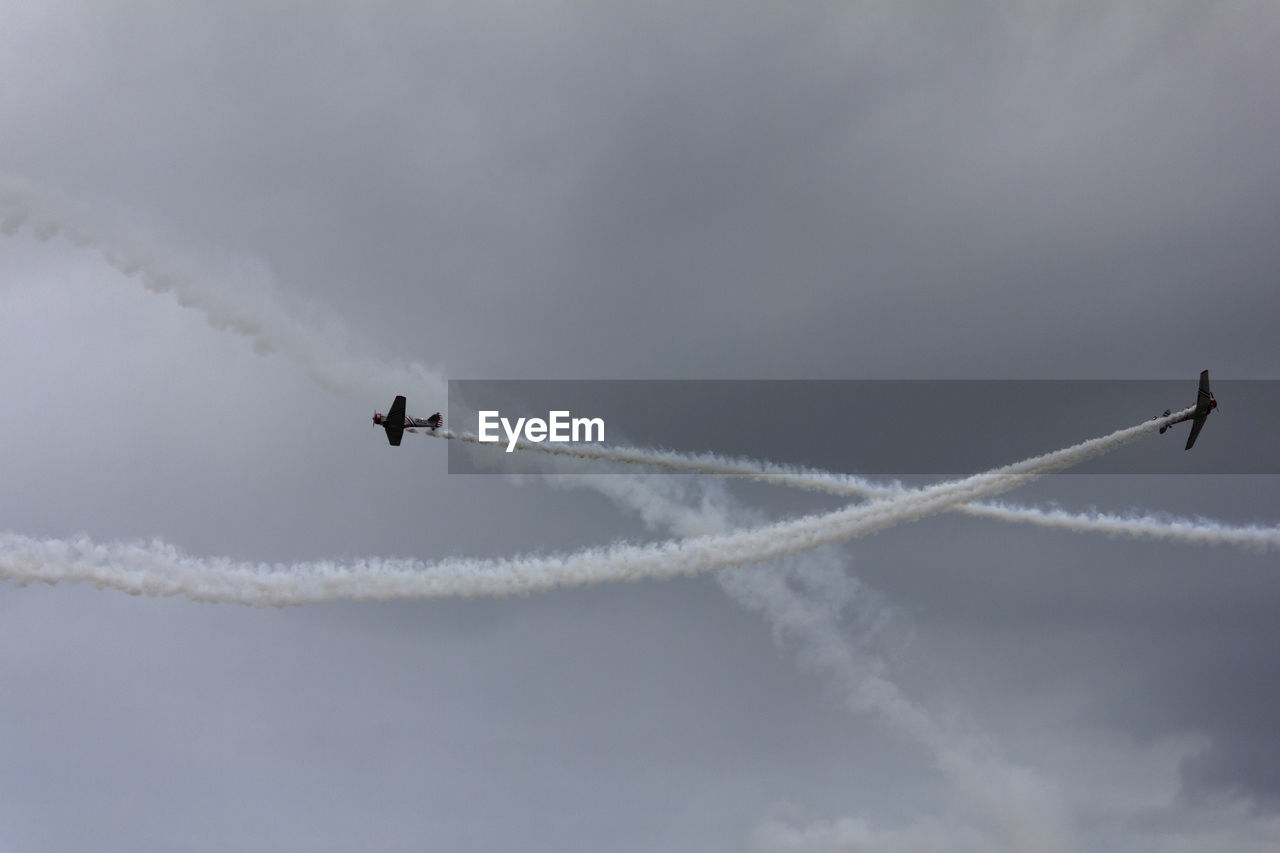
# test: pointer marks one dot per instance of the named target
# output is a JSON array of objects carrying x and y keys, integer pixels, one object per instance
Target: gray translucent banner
[{"x": 889, "y": 428}]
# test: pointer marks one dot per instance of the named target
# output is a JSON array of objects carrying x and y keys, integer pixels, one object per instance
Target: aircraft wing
[
  {"x": 1204, "y": 405},
  {"x": 396, "y": 415},
  {"x": 395, "y": 422},
  {"x": 1200, "y": 418}
]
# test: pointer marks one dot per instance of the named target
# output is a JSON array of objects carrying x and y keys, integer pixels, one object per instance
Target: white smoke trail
[
  {"x": 1020, "y": 810},
  {"x": 159, "y": 569},
  {"x": 1148, "y": 526},
  {"x": 806, "y": 599},
  {"x": 249, "y": 309}
]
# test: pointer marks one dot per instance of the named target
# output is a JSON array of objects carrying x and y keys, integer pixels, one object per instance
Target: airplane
[
  {"x": 395, "y": 422},
  {"x": 1205, "y": 403}
]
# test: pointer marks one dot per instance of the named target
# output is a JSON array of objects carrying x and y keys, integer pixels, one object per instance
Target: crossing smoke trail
[
  {"x": 271, "y": 329},
  {"x": 1142, "y": 526},
  {"x": 158, "y": 569}
]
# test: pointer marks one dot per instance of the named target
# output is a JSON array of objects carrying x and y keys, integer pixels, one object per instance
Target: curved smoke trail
[
  {"x": 250, "y": 311},
  {"x": 157, "y": 569}
]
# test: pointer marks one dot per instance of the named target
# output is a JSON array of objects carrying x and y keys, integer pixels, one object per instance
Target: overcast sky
[{"x": 362, "y": 200}]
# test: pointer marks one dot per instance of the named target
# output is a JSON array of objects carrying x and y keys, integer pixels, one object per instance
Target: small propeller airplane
[
  {"x": 1205, "y": 403},
  {"x": 395, "y": 422}
]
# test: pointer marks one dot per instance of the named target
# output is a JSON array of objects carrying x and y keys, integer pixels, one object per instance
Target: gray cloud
[{"x": 649, "y": 191}]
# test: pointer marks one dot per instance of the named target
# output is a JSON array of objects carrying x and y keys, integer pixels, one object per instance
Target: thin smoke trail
[
  {"x": 1017, "y": 807},
  {"x": 831, "y": 621},
  {"x": 249, "y": 310},
  {"x": 159, "y": 569},
  {"x": 1197, "y": 532},
  {"x": 1139, "y": 526}
]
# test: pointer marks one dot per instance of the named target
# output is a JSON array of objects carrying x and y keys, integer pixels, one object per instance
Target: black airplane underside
[{"x": 1205, "y": 403}]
